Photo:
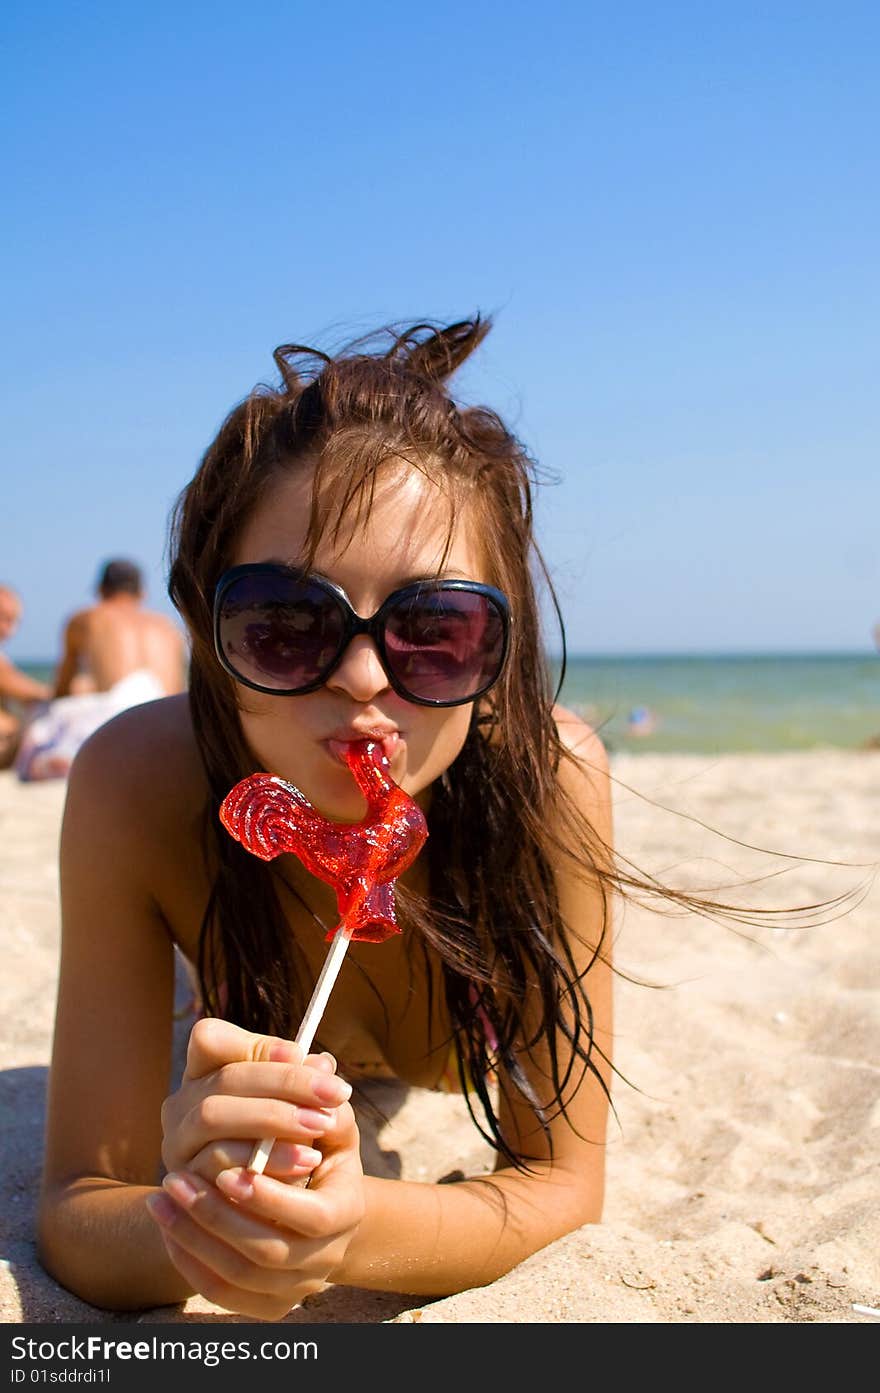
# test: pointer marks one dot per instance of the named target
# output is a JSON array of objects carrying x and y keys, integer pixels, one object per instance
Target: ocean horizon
[
  {"x": 724, "y": 702},
  {"x": 714, "y": 702}
]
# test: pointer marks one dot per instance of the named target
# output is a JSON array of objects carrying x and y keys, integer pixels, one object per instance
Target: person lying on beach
[
  {"x": 357, "y": 487},
  {"x": 16, "y": 687},
  {"x": 116, "y": 653}
]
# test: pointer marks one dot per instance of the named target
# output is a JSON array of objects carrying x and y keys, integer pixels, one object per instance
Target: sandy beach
[{"x": 743, "y": 1183}]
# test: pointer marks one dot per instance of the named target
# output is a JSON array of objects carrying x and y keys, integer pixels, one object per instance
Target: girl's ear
[{"x": 443, "y": 351}]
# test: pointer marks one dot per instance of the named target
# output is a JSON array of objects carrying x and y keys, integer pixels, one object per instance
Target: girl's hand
[
  {"x": 256, "y": 1244},
  {"x": 239, "y": 1087}
]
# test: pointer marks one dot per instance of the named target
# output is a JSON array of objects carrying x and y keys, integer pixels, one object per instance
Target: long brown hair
[{"x": 498, "y": 818}]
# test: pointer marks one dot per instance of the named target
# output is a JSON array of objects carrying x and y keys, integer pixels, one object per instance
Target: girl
[{"x": 358, "y": 486}]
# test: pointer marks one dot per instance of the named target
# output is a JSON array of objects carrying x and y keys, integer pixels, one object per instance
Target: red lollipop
[{"x": 361, "y": 860}]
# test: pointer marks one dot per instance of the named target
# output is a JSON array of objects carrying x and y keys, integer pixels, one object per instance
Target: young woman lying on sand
[{"x": 357, "y": 483}]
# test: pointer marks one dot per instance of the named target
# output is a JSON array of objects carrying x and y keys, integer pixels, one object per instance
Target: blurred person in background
[{"x": 18, "y": 692}]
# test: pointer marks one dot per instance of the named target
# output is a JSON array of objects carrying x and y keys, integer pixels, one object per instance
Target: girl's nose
[{"x": 360, "y": 674}]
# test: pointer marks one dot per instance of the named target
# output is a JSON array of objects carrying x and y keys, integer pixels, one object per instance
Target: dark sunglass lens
[
  {"x": 445, "y": 645},
  {"x": 278, "y": 631}
]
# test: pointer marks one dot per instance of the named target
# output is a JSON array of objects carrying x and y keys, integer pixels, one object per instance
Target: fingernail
[
  {"x": 313, "y": 1121},
  {"x": 236, "y": 1183},
  {"x": 308, "y": 1156},
  {"x": 326, "y": 1062},
  {"x": 180, "y": 1188},
  {"x": 163, "y": 1210},
  {"x": 330, "y": 1089}
]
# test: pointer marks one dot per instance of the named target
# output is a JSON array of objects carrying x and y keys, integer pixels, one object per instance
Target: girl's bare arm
[
  {"x": 112, "y": 1126},
  {"x": 112, "y": 1047}
]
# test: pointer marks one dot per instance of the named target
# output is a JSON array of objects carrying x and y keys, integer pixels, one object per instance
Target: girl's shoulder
[
  {"x": 132, "y": 838},
  {"x": 580, "y": 740},
  {"x": 146, "y": 759},
  {"x": 584, "y": 771}
]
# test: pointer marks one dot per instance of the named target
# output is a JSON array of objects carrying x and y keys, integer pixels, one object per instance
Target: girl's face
[{"x": 403, "y": 540}]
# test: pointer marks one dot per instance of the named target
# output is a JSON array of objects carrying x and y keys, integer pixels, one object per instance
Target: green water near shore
[{"x": 726, "y": 703}]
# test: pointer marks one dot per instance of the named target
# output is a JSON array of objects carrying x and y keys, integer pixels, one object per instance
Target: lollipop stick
[{"x": 310, "y": 1022}]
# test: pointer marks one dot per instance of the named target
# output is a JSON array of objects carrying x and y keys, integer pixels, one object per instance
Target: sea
[
  {"x": 712, "y": 704},
  {"x": 717, "y": 703}
]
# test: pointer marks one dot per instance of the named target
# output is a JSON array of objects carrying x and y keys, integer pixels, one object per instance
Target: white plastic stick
[{"x": 310, "y": 1022}]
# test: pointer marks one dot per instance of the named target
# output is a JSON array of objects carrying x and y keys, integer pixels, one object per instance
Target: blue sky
[{"x": 671, "y": 210}]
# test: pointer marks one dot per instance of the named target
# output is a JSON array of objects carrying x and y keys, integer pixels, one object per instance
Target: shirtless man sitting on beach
[
  {"x": 117, "y": 637},
  {"x": 116, "y": 654},
  {"x": 15, "y": 685}
]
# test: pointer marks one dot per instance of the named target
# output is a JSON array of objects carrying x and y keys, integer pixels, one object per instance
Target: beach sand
[{"x": 743, "y": 1183}]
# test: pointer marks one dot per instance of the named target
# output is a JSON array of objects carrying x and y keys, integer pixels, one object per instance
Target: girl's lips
[{"x": 390, "y": 744}]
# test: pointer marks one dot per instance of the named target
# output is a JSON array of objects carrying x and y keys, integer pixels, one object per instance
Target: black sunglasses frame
[{"x": 355, "y": 624}]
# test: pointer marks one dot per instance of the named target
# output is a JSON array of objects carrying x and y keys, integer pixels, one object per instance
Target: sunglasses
[{"x": 440, "y": 642}]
